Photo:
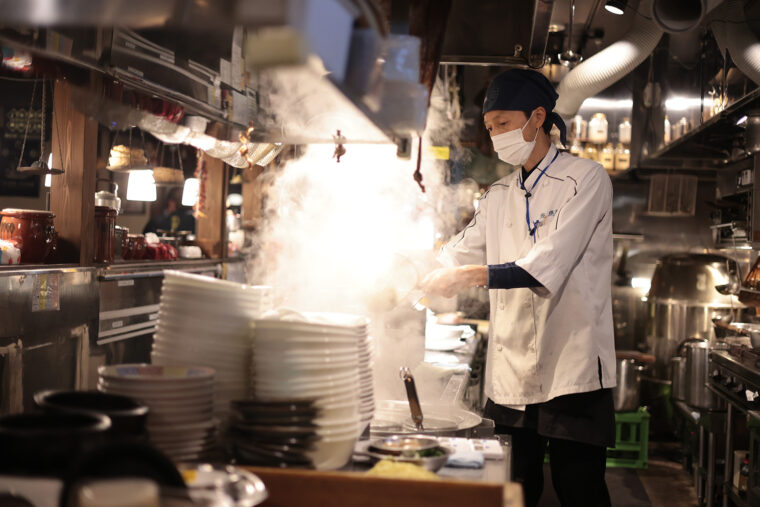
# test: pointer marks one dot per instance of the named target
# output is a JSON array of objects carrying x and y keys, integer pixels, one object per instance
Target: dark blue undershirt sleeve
[{"x": 509, "y": 276}]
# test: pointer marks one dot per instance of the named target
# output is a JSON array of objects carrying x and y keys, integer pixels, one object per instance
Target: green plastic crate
[{"x": 631, "y": 441}]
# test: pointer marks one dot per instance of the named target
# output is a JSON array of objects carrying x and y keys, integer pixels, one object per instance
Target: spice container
[
  {"x": 666, "y": 130},
  {"x": 105, "y": 221},
  {"x": 597, "y": 129},
  {"x": 591, "y": 153},
  {"x": 121, "y": 242},
  {"x": 622, "y": 157},
  {"x": 576, "y": 148},
  {"x": 607, "y": 157},
  {"x": 578, "y": 128},
  {"x": 624, "y": 131},
  {"x": 32, "y": 232}
]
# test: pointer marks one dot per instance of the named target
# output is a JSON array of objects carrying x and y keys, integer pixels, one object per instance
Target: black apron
[{"x": 588, "y": 418}]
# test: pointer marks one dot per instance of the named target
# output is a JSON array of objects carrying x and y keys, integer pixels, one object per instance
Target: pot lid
[{"x": 18, "y": 212}]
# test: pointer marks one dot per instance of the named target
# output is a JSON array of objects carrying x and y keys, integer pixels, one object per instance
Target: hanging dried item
[{"x": 201, "y": 172}]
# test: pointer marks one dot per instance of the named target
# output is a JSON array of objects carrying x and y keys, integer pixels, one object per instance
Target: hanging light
[
  {"x": 616, "y": 6},
  {"x": 48, "y": 175},
  {"x": 141, "y": 186},
  {"x": 190, "y": 192}
]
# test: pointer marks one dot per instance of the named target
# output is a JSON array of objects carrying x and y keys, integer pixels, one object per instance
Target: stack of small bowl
[
  {"x": 180, "y": 401},
  {"x": 205, "y": 321},
  {"x": 314, "y": 357}
]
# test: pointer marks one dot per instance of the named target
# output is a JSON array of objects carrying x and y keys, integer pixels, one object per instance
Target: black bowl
[
  {"x": 128, "y": 416},
  {"x": 44, "y": 444}
]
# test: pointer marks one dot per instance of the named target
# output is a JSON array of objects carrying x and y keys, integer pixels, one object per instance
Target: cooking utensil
[
  {"x": 678, "y": 378},
  {"x": 411, "y": 393},
  {"x": 697, "y": 353},
  {"x": 626, "y": 394},
  {"x": 127, "y": 416}
]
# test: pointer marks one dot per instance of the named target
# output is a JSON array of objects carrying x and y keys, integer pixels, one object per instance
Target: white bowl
[
  {"x": 333, "y": 454},
  {"x": 149, "y": 374}
]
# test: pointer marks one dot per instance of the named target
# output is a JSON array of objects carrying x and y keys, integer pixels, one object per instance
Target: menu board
[{"x": 14, "y": 110}]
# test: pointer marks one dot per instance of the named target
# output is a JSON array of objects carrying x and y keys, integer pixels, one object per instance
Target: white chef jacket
[{"x": 556, "y": 339}]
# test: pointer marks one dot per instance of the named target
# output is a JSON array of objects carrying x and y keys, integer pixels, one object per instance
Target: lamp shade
[
  {"x": 190, "y": 192},
  {"x": 141, "y": 186}
]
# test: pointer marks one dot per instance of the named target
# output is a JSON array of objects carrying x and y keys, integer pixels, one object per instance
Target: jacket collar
[{"x": 541, "y": 165}]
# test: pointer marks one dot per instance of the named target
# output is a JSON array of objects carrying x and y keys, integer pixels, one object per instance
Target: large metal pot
[
  {"x": 683, "y": 302},
  {"x": 626, "y": 394},
  {"x": 108, "y": 198},
  {"x": 697, "y": 354},
  {"x": 678, "y": 378}
]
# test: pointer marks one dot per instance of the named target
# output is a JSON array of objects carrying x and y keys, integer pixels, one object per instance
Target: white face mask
[{"x": 512, "y": 148}]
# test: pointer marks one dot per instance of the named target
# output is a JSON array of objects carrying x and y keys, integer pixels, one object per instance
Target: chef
[{"x": 541, "y": 241}]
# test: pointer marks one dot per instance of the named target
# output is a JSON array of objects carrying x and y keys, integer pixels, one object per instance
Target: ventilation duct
[
  {"x": 609, "y": 65},
  {"x": 738, "y": 39}
]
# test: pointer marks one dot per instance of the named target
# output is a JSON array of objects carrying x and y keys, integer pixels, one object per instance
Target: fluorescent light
[
  {"x": 742, "y": 120},
  {"x": 233, "y": 200},
  {"x": 190, "y": 192},
  {"x": 641, "y": 283},
  {"x": 596, "y": 103},
  {"x": 141, "y": 186},
  {"x": 616, "y": 7},
  {"x": 48, "y": 176}
]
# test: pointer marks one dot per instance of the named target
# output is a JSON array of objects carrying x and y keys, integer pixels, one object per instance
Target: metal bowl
[
  {"x": 433, "y": 463},
  {"x": 402, "y": 445}
]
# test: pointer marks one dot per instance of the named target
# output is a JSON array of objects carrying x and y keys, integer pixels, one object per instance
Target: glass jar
[
  {"x": 622, "y": 157},
  {"x": 597, "y": 129},
  {"x": 105, "y": 222},
  {"x": 577, "y": 148},
  {"x": 578, "y": 128},
  {"x": 666, "y": 131},
  {"x": 607, "y": 157},
  {"x": 591, "y": 153},
  {"x": 624, "y": 131}
]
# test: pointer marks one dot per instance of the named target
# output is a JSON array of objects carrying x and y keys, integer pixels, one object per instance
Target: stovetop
[{"x": 736, "y": 372}]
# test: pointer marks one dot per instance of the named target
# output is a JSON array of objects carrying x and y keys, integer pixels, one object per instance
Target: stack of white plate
[
  {"x": 316, "y": 357},
  {"x": 206, "y": 321},
  {"x": 180, "y": 401},
  {"x": 366, "y": 382}
]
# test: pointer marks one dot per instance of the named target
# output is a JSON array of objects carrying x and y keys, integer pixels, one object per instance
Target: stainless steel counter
[{"x": 58, "y": 323}]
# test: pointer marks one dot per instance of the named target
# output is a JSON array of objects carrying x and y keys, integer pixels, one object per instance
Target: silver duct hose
[
  {"x": 737, "y": 38},
  {"x": 608, "y": 65}
]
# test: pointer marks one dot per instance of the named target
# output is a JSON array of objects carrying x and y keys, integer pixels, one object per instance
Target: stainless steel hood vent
[{"x": 512, "y": 32}]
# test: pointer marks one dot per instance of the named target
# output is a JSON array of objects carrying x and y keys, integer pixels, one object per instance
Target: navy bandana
[{"x": 524, "y": 90}]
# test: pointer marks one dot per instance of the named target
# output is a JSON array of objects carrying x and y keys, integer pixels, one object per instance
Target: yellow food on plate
[{"x": 396, "y": 470}]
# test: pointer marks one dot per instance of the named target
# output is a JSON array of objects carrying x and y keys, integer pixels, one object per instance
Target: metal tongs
[{"x": 411, "y": 393}]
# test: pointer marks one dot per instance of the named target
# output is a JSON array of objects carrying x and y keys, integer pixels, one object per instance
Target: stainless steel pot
[
  {"x": 678, "y": 378},
  {"x": 697, "y": 354},
  {"x": 683, "y": 302},
  {"x": 626, "y": 394},
  {"x": 752, "y": 134}
]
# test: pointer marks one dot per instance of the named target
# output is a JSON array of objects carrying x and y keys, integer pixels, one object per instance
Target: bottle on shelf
[
  {"x": 622, "y": 157},
  {"x": 597, "y": 129},
  {"x": 607, "y": 157},
  {"x": 666, "y": 131}
]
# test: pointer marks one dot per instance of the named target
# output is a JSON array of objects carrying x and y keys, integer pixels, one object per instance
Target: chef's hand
[{"x": 447, "y": 282}]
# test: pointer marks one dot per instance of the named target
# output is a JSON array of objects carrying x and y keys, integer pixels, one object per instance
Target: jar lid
[{"x": 21, "y": 213}]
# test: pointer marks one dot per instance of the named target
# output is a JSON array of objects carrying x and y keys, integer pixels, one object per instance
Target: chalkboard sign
[{"x": 15, "y": 97}]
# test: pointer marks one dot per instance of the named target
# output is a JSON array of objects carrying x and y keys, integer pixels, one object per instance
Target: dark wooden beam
[
  {"x": 75, "y": 150},
  {"x": 427, "y": 20}
]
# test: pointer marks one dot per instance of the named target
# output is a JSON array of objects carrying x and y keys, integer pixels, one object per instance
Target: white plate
[
  {"x": 444, "y": 345},
  {"x": 159, "y": 387},
  {"x": 147, "y": 374}
]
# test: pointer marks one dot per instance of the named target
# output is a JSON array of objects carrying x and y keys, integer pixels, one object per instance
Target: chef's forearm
[
  {"x": 509, "y": 276},
  {"x": 473, "y": 275}
]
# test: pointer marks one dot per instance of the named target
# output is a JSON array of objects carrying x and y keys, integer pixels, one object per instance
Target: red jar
[
  {"x": 32, "y": 231},
  {"x": 105, "y": 235},
  {"x": 137, "y": 245}
]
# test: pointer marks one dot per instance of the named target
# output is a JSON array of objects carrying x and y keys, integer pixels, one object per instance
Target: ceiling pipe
[
  {"x": 608, "y": 65},
  {"x": 737, "y": 38},
  {"x": 676, "y": 16}
]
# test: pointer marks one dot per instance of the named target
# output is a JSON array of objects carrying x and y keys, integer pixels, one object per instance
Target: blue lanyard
[{"x": 529, "y": 193}]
